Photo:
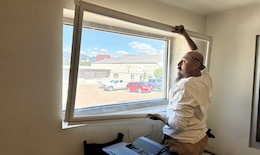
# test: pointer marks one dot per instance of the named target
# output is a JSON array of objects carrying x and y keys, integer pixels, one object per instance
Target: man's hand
[
  {"x": 154, "y": 116},
  {"x": 158, "y": 117},
  {"x": 179, "y": 29}
]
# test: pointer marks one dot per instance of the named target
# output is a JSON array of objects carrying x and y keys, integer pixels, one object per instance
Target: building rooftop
[{"x": 146, "y": 59}]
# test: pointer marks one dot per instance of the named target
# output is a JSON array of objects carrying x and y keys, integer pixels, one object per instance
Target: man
[{"x": 185, "y": 120}]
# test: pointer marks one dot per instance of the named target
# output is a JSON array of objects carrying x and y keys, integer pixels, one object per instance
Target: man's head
[{"x": 190, "y": 65}]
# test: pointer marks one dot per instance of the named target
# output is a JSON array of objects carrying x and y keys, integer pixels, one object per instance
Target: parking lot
[{"x": 91, "y": 95}]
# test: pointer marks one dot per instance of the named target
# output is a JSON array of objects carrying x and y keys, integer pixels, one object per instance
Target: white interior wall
[
  {"x": 31, "y": 76},
  {"x": 232, "y": 68},
  {"x": 31, "y": 59}
]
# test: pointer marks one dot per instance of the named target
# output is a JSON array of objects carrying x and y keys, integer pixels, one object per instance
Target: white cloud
[
  {"x": 121, "y": 52},
  {"x": 67, "y": 50},
  {"x": 104, "y": 50},
  {"x": 143, "y": 48},
  {"x": 93, "y": 54},
  {"x": 83, "y": 53}
]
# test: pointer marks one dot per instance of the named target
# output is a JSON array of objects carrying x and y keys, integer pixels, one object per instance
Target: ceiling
[{"x": 207, "y": 7}]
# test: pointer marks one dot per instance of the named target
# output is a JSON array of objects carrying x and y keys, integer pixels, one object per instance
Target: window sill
[{"x": 143, "y": 111}]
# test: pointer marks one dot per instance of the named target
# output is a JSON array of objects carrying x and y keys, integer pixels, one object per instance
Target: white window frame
[
  {"x": 255, "y": 119},
  {"x": 80, "y": 7}
]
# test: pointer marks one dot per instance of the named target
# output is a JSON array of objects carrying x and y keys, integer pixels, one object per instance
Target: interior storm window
[
  {"x": 255, "y": 115},
  {"x": 111, "y": 50}
]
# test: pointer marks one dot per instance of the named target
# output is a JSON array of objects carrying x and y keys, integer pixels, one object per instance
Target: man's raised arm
[{"x": 181, "y": 30}]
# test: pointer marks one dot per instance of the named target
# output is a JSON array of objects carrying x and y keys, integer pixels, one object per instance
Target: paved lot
[{"x": 92, "y": 95}]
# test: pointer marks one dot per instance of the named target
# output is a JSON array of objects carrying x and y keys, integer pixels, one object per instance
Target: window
[
  {"x": 255, "y": 118},
  {"x": 110, "y": 50}
]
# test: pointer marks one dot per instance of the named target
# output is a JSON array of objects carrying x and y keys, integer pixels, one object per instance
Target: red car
[{"x": 140, "y": 87}]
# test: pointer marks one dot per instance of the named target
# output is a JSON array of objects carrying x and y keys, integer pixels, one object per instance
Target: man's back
[{"x": 187, "y": 109}]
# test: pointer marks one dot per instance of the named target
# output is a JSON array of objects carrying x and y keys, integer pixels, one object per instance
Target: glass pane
[
  {"x": 112, "y": 58},
  {"x": 67, "y": 42},
  {"x": 203, "y": 46}
]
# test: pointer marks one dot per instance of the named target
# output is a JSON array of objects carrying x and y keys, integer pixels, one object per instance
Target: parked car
[
  {"x": 156, "y": 84},
  {"x": 115, "y": 85},
  {"x": 140, "y": 87},
  {"x": 102, "y": 83}
]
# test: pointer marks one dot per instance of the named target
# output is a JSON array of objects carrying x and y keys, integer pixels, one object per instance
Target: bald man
[{"x": 185, "y": 119}]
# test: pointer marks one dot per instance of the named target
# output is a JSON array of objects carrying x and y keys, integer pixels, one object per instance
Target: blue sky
[{"x": 116, "y": 45}]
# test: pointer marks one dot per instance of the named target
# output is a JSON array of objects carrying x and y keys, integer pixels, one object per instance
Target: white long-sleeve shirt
[{"x": 187, "y": 109}]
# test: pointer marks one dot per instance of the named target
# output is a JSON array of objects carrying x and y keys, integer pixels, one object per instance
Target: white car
[
  {"x": 115, "y": 85},
  {"x": 102, "y": 83}
]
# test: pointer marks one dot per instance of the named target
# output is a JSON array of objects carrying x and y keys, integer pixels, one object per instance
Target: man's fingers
[
  {"x": 174, "y": 29},
  {"x": 153, "y": 117},
  {"x": 178, "y": 29}
]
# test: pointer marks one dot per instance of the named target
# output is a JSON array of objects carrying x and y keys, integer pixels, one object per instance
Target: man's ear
[{"x": 197, "y": 66}]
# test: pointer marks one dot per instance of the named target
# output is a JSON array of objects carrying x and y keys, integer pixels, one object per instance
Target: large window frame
[
  {"x": 159, "y": 104},
  {"x": 255, "y": 115}
]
